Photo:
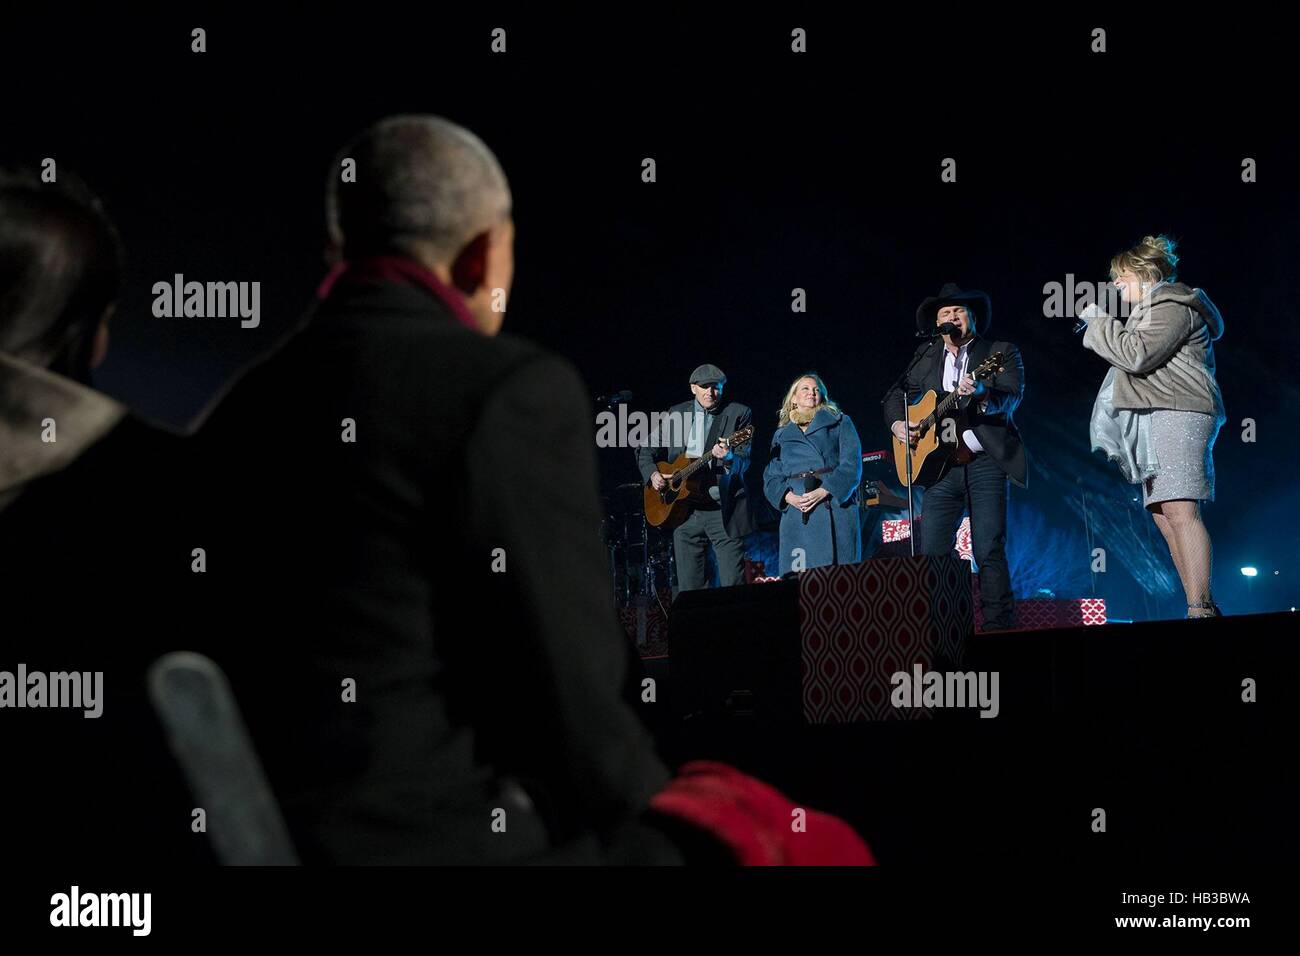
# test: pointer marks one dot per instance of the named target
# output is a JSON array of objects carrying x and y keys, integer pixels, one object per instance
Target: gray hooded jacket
[{"x": 1163, "y": 355}]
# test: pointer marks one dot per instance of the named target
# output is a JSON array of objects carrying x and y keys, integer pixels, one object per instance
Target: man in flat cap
[
  {"x": 724, "y": 519},
  {"x": 988, "y": 453}
]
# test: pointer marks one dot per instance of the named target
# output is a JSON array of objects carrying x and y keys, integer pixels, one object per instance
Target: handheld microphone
[{"x": 1090, "y": 311}]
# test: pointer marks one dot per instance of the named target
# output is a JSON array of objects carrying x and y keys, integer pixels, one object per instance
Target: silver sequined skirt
[{"x": 1183, "y": 443}]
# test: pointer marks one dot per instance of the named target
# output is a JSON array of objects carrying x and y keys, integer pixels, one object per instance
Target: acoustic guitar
[
  {"x": 684, "y": 487},
  {"x": 932, "y": 456}
]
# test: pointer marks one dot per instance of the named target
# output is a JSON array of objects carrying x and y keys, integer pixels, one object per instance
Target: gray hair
[{"x": 419, "y": 179}]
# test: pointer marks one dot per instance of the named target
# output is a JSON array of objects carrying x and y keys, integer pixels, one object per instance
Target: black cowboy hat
[{"x": 977, "y": 302}]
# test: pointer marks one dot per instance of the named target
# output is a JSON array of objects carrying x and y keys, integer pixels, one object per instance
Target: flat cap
[{"x": 706, "y": 374}]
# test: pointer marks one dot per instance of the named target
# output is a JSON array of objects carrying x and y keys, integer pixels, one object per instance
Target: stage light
[{"x": 1249, "y": 572}]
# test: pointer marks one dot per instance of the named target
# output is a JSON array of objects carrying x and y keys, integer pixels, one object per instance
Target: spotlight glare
[{"x": 1249, "y": 572}]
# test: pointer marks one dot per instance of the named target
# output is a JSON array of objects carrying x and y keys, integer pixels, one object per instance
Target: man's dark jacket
[
  {"x": 994, "y": 426},
  {"x": 730, "y": 476},
  {"x": 419, "y": 621}
]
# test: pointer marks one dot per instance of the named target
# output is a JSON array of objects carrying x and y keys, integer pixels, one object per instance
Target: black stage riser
[{"x": 1143, "y": 721}]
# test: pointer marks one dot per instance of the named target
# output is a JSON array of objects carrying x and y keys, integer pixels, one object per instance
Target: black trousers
[
  {"x": 692, "y": 538},
  {"x": 980, "y": 486}
]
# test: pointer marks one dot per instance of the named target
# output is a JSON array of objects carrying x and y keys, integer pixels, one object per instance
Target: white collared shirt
[{"x": 954, "y": 368}]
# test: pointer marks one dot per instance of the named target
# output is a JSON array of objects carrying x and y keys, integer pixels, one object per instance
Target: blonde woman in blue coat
[{"x": 812, "y": 479}]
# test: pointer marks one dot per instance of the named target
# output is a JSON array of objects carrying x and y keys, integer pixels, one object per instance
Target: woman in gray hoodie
[{"x": 1159, "y": 408}]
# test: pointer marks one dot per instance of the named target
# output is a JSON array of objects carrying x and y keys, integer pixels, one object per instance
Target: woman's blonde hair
[
  {"x": 783, "y": 413},
  {"x": 1151, "y": 260}
]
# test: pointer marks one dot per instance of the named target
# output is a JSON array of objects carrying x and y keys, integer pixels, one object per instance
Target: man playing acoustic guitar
[
  {"x": 984, "y": 451},
  {"x": 722, "y": 518}
]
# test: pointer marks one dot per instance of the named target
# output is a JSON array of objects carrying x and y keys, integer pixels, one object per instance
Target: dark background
[{"x": 775, "y": 171}]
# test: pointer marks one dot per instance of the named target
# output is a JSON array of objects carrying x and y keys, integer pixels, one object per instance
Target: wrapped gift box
[
  {"x": 900, "y": 530},
  {"x": 861, "y": 623},
  {"x": 1042, "y": 613}
]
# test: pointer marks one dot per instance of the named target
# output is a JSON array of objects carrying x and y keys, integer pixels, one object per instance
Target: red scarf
[{"x": 398, "y": 270}]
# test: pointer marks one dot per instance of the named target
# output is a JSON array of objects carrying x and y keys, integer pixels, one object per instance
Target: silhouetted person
[{"x": 90, "y": 564}]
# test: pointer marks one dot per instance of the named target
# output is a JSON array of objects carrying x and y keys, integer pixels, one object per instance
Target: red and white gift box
[
  {"x": 900, "y": 530},
  {"x": 1034, "y": 614}
]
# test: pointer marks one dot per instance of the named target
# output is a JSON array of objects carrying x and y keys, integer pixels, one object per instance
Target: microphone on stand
[
  {"x": 946, "y": 328},
  {"x": 618, "y": 398}
]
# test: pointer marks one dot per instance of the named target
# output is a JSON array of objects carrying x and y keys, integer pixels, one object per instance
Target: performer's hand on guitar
[
  {"x": 899, "y": 428},
  {"x": 720, "y": 450},
  {"x": 968, "y": 386},
  {"x": 657, "y": 481}
]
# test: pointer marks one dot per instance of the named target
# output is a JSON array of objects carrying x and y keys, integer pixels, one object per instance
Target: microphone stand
[{"x": 900, "y": 384}]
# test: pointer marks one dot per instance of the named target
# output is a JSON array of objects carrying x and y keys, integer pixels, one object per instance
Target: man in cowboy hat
[
  {"x": 989, "y": 452},
  {"x": 724, "y": 520}
]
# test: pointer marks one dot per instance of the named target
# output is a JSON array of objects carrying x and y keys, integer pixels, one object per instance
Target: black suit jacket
[
  {"x": 995, "y": 426},
  {"x": 730, "y": 475},
  {"x": 447, "y": 565}
]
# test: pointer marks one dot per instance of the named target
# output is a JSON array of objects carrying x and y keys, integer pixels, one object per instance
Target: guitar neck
[
  {"x": 941, "y": 409},
  {"x": 950, "y": 399},
  {"x": 694, "y": 466},
  {"x": 736, "y": 440}
]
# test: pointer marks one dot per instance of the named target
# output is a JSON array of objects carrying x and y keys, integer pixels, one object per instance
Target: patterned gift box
[
  {"x": 861, "y": 623},
  {"x": 1041, "y": 613},
  {"x": 900, "y": 530},
  {"x": 895, "y": 530}
]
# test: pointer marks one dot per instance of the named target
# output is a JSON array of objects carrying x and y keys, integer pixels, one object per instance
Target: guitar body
[
  {"x": 929, "y": 457},
  {"x": 687, "y": 484},
  {"x": 670, "y": 507}
]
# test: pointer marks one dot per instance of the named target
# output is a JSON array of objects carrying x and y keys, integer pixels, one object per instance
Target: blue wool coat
[{"x": 833, "y": 533}]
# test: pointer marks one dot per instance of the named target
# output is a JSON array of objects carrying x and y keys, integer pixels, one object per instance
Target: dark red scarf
[{"x": 398, "y": 270}]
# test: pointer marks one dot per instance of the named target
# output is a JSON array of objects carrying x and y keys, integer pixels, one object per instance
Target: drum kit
[{"x": 640, "y": 556}]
